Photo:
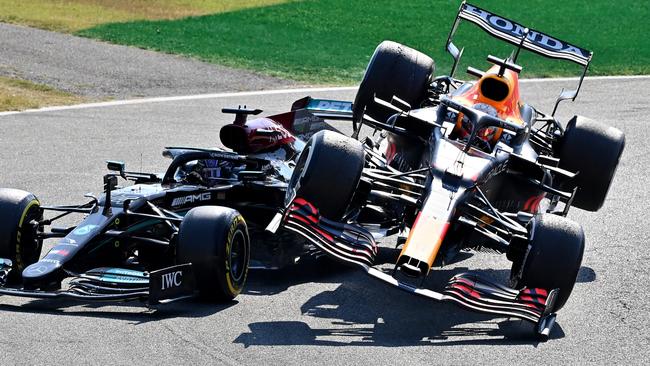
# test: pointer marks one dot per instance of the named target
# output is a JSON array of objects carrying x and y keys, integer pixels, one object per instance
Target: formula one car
[
  {"x": 149, "y": 241},
  {"x": 169, "y": 236},
  {"x": 459, "y": 166},
  {"x": 166, "y": 237}
]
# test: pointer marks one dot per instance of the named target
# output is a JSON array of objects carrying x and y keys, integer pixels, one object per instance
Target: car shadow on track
[
  {"x": 308, "y": 270},
  {"x": 134, "y": 312},
  {"x": 363, "y": 311},
  {"x": 366, "y": 312},
  {"x": 260, "y": 282},
  {"x": 322, "y": 270}
]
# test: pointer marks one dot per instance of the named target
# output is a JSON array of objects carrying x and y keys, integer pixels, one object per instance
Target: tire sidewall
[
  {"x": 393, "y": 69},
  {"x": 233, "y": 283},
  {"x": 330, "y": 174},
  {"x": 18, "y": 241},
  {"x": 554, "y": 257},
  {"x": 207, "y": 237},
  {"x": 593, "y": 150}
]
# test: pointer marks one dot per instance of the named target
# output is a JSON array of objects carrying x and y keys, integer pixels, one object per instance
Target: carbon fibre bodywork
[
  {"x": 466, "y": 166},
  {"x": 125, "y": 242}
]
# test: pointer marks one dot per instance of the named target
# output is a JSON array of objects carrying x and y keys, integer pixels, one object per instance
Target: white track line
[
  {"x": 595, "y": 78},
  {"x": 263, "y": 92},
  {"x": 177, "y": 98}
]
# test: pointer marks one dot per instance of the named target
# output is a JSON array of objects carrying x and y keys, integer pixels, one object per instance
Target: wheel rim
[
  {"x": 238, "y": 256},
  {"x": 30, "y": 246}
]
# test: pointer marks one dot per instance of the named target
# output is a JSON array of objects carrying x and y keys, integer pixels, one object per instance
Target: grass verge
[
  {"x": 74, "y": 15},
  {"x": 18, "y": 95},
  {"x": 331, "y": 41}
]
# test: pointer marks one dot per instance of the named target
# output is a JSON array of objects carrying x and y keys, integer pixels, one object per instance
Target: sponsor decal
[
  {"x": 268, "y": 136},
  {"x": 224, "y": 156},
  {"x": 513, "y": 32},
  {"x": 307, "y": 123},
  {"x": 125, "y": 272},
  {"x": 173, "y": 279},
  {"x": 232, "y": 285},
  {"x": 52, "y": 261},
  {"x": 84, "y": 230},
  {"x": 332, "y": 105},
  {"x": 180, "y": 201},
  {"x": 123, "y": 276},
  {"x": 59, "y": 252}
]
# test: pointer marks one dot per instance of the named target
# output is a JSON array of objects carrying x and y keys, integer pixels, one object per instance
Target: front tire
[
  {"x": 393, "y": 70},
  {"x": 215, "y": 240},
  {"x": 554, "y": 257},
  {"x": 327, "y": 173},
  {"x": 18, "y": 238}
]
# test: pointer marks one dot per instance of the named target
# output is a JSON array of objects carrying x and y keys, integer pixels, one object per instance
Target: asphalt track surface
[
  {"x": 301, "y": 315},
  {"x": 99, "y": 70}
]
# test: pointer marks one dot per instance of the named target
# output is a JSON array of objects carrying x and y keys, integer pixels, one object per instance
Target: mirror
[{"x": 116, "y": 166}]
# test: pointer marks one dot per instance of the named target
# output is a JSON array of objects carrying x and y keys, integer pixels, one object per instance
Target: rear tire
[
  {"x": 18, "y": 241},
  {"x": 215, "y": 240},
  {"x": 554, "y": 257},
  {"x": 593, "y": 150},
  {"x": 394, "y": 69},
  {"x": 327, "y": 173}
]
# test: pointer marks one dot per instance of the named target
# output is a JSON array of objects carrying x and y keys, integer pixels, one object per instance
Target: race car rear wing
[
  {"x": 325, "y": 108},
  {"x": 521, "y": 37}
]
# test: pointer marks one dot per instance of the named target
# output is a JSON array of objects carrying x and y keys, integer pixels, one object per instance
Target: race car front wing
[
  {"x": 347, "y": 243},
  {"x": 354, "y": 245},
  {"x": 114, "y": 284}
]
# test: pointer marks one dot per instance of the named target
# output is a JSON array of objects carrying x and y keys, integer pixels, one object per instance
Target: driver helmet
[
  {"x": 494, "y": 94},
  {"x": 487, "y": 134}
]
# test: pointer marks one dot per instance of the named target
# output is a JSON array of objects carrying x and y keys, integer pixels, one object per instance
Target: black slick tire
[
  {"x": 216, "y": 241},
  {"x": 18, "y": 241},
  {"x": 327, "y": 173},
  {"x": 554, "y": 257},
  {"x": 593, "y": 150},
  {"x": 393, "y": 70}
]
